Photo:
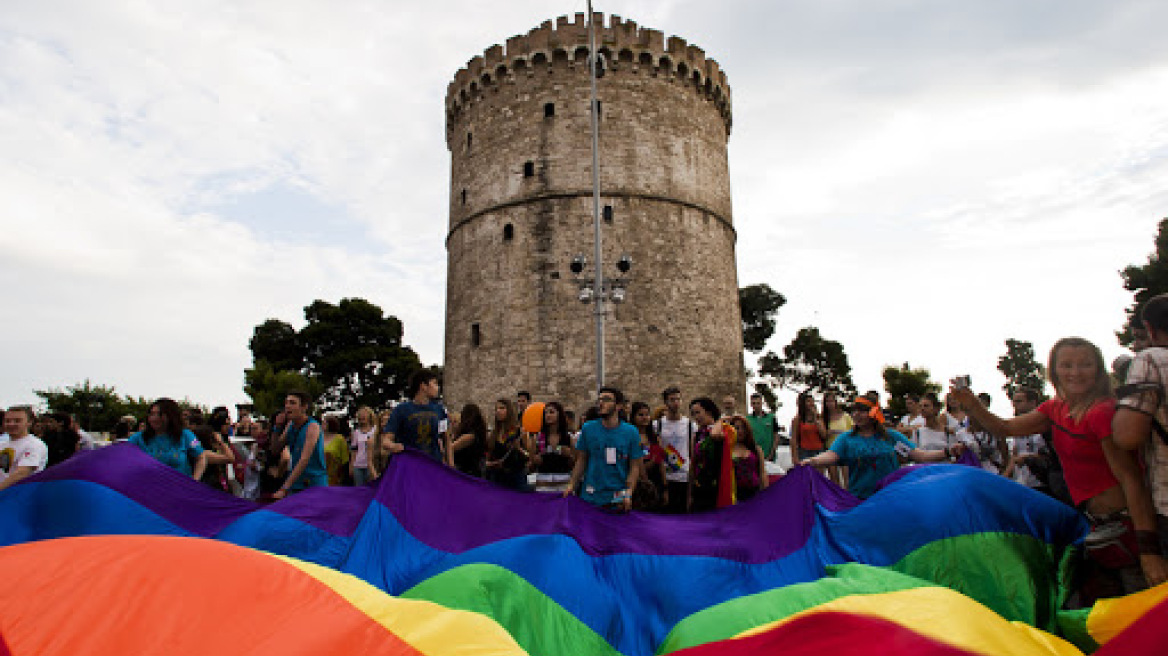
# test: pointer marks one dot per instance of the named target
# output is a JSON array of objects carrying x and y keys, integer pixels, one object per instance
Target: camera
[{"x": 962, "y": 382}]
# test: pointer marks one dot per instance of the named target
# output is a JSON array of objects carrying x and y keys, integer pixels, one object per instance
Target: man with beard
[{"x": 608, "y": 457}]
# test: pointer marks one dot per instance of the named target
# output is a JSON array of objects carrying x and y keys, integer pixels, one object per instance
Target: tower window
[
  {"x": 476, "y": 335},
  {"x": 468, "y": 140},
  {"x": 549, "y": 110},
  {"x": 607, "y": 214},
  {"x": 528, "y": 169},
  {"x": 599, "y": 110},
  {"x": 508, "y": 232},
  {"x": 464, "y": 196}
]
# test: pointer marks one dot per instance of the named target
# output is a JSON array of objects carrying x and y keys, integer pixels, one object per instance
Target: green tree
[
  {"x": 279, "y": 344},
  {"x": 1146, "y": 280},
  {"x": 268, "y": 386},
  {"x": 902, "y": 380},
  {"x": 811, "y": 361},
  {"x": 758, "y": 304},
  {"x": 347, "y": 355},
  {"x": 1021, "y": 369},
  {"x": 97, "y": 407},
  {"x": 357, "y": 353}
]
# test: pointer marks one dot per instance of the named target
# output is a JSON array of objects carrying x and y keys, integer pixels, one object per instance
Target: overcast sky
[{"x": 921, "y": 179}]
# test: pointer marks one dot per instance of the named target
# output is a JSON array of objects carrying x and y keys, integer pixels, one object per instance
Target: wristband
[{"x": 1148, "y": 543}]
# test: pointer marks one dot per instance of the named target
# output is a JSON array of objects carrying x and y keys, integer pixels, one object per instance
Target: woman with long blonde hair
[
  {"x": 365, "y": 431},
  {"x": 1105, "y": 482}
]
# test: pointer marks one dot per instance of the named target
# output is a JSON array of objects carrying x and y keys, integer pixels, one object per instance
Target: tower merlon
[{"x": 565, "y": 37}]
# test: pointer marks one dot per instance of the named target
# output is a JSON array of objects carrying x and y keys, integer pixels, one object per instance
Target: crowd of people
[{"x": 1100, "y": 449}]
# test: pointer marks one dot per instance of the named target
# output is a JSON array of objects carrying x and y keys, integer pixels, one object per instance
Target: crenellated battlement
[{"x": 627, "y": 47}]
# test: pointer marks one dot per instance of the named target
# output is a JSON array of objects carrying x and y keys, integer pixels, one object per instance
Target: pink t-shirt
[
  {"x": 1079, "y": 445},
  {"x": 361, "y": 447}
]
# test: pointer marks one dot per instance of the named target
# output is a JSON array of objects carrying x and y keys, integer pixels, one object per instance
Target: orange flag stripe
[{"x": 179, "y": 596}]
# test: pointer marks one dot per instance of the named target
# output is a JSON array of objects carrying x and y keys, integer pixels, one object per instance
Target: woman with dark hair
[
  {"x": 165, "y": 440},
  {"x": 554, "y": 457},
  {"x": 220, "y": 455},
  {"x": 808, "y": 432},
  {"x": 471, "y": 444},
  {"x": 1106, "y": 483},
  {"x": 872, "y": 451},
  {"x": 508, "y": 449},
  {"x": 651, "y": 492},
  {"x": 712, "y": 479},
  {"x": 750, "y": 475}
]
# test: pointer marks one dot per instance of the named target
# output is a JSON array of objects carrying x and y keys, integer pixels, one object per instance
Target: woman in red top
[
  {"x": 807, "y": 429},
  {"x": 1097, "y": 472}
]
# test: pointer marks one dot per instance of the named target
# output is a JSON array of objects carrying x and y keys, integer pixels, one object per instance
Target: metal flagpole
[{"x": 598, "y": 267}]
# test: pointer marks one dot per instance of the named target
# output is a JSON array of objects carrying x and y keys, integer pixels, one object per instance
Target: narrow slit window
[
  {"x": 508, "y": 232},
  {"x": 464, "y": 197},
  {"x": 476, "y": 335},
  {"x": 607, "y": 213},
  {"x": 528, "y": 169},
  {"x": 469, "y": 140}
]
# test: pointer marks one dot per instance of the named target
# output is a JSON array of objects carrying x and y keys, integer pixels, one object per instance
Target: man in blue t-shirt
[
  {"x": 419, "y": 423},
  {"x": 302, "y": 436},
  {"x": 608, "y": 456}
]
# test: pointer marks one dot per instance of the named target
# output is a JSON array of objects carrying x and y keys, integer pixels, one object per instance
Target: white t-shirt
[
  {"x": 361, "y": 445},
  {"x": 86, "y": 441},
  {"x": 913, "y": 424},
  {"x": 1025, "y": 446},
  {"x": 933, "y": 440},
  {"x": 28, "y": 451},
  {"x": 675, "y": 437},
  {"x": 954, "y": 424}
]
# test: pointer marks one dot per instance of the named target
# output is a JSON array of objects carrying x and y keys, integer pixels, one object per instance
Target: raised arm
[{"x": 1028, "y": 424}]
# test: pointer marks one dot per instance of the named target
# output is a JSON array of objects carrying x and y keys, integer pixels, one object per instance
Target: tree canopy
[
  {"x": 97, "y": 407},
  {"x": 1021, "y": 369},
  {"x": 902, "y": 380},
  {"x": 347, "y": 355},
  {"x": 1146, "y": 280},
  {"x": 811, "y": 361},
  {"x": 758, "y": 304}
]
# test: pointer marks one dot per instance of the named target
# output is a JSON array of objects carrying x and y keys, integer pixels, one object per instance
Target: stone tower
[{"x": 518, "y": 130}]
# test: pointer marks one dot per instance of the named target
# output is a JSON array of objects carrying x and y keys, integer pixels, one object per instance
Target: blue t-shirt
[
  {"x": 602, "y": 479},
  {"x": 418, "y": 426},
  {"x": 179, "y": 453},
  {"x": 869, "y": 459},
  {"x": 315, "y": 474}
]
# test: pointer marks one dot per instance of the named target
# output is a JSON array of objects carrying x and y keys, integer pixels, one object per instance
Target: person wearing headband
[{"x": 871, "y": 451}]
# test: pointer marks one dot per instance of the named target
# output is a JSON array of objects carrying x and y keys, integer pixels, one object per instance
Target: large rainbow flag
[{"x": 112, "y": 552}]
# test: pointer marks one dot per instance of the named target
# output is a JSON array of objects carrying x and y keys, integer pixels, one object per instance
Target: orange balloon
[{"x": 533, "y": 417}]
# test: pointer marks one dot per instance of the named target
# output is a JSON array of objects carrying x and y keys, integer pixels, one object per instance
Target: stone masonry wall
[{"x": 521, "y": 208}]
